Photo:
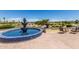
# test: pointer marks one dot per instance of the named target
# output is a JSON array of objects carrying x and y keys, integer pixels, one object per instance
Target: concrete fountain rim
[{"x": 12, "y": 37}]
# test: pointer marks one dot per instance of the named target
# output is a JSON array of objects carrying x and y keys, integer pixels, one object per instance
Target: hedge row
[{"x": 6, "y": 26}]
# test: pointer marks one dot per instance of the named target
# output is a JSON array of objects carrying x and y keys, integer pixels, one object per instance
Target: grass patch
[{"x": 6, "y": 26}]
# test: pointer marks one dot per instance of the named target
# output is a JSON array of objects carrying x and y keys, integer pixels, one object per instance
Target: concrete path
[{"x": 49, "y": 40}]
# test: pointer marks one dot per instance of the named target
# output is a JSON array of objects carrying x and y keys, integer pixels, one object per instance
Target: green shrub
[
  {"x": 7, "y": 26},
  {"x": 69, "y": 25}
]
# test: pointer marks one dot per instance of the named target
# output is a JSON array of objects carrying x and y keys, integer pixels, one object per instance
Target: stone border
[{"x": 19, "y": 38}]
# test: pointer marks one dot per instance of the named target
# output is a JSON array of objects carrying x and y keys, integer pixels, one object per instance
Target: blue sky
[{"x": 34, "y": 15}]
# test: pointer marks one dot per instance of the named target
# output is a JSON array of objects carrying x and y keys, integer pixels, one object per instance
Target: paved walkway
[{"x": 49, "y": 40}]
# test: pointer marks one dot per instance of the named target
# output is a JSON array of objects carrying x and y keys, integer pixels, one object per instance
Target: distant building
[{"x": 31, "y": 24}]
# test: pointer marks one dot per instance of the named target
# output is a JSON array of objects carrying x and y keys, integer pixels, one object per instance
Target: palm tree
[
  {"x": 76, "y": 21},
  {"x": 4, "y": 19},
  {"x": 0, "y": 20},
  {"x": 42, "y": 22}
]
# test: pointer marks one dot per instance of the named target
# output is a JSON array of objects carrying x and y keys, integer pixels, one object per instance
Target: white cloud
[
  {"x": 11, "y": 19},
  {"x": 19, "y": 19},
  {"x": 61, "y": 19},
  {"x": 34, "y": 19}
]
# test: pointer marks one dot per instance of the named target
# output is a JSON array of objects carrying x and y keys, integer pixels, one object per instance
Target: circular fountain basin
[{"x": 17, "y": 35}]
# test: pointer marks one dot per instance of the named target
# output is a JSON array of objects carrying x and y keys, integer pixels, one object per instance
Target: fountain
[
  {"x": 24, "y": 24},
  {"x": 20, "y": 34}
]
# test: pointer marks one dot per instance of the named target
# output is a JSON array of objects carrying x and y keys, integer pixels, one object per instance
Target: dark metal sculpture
[{"x": 24, "y": 24}]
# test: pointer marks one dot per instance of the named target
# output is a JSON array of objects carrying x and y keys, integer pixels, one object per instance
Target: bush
[
  {"x": 69, "y": 25},
  {"x": 6, "y": 26}
]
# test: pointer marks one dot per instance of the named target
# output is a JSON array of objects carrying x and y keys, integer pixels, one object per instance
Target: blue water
[{"x": 18, "y": 32}]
